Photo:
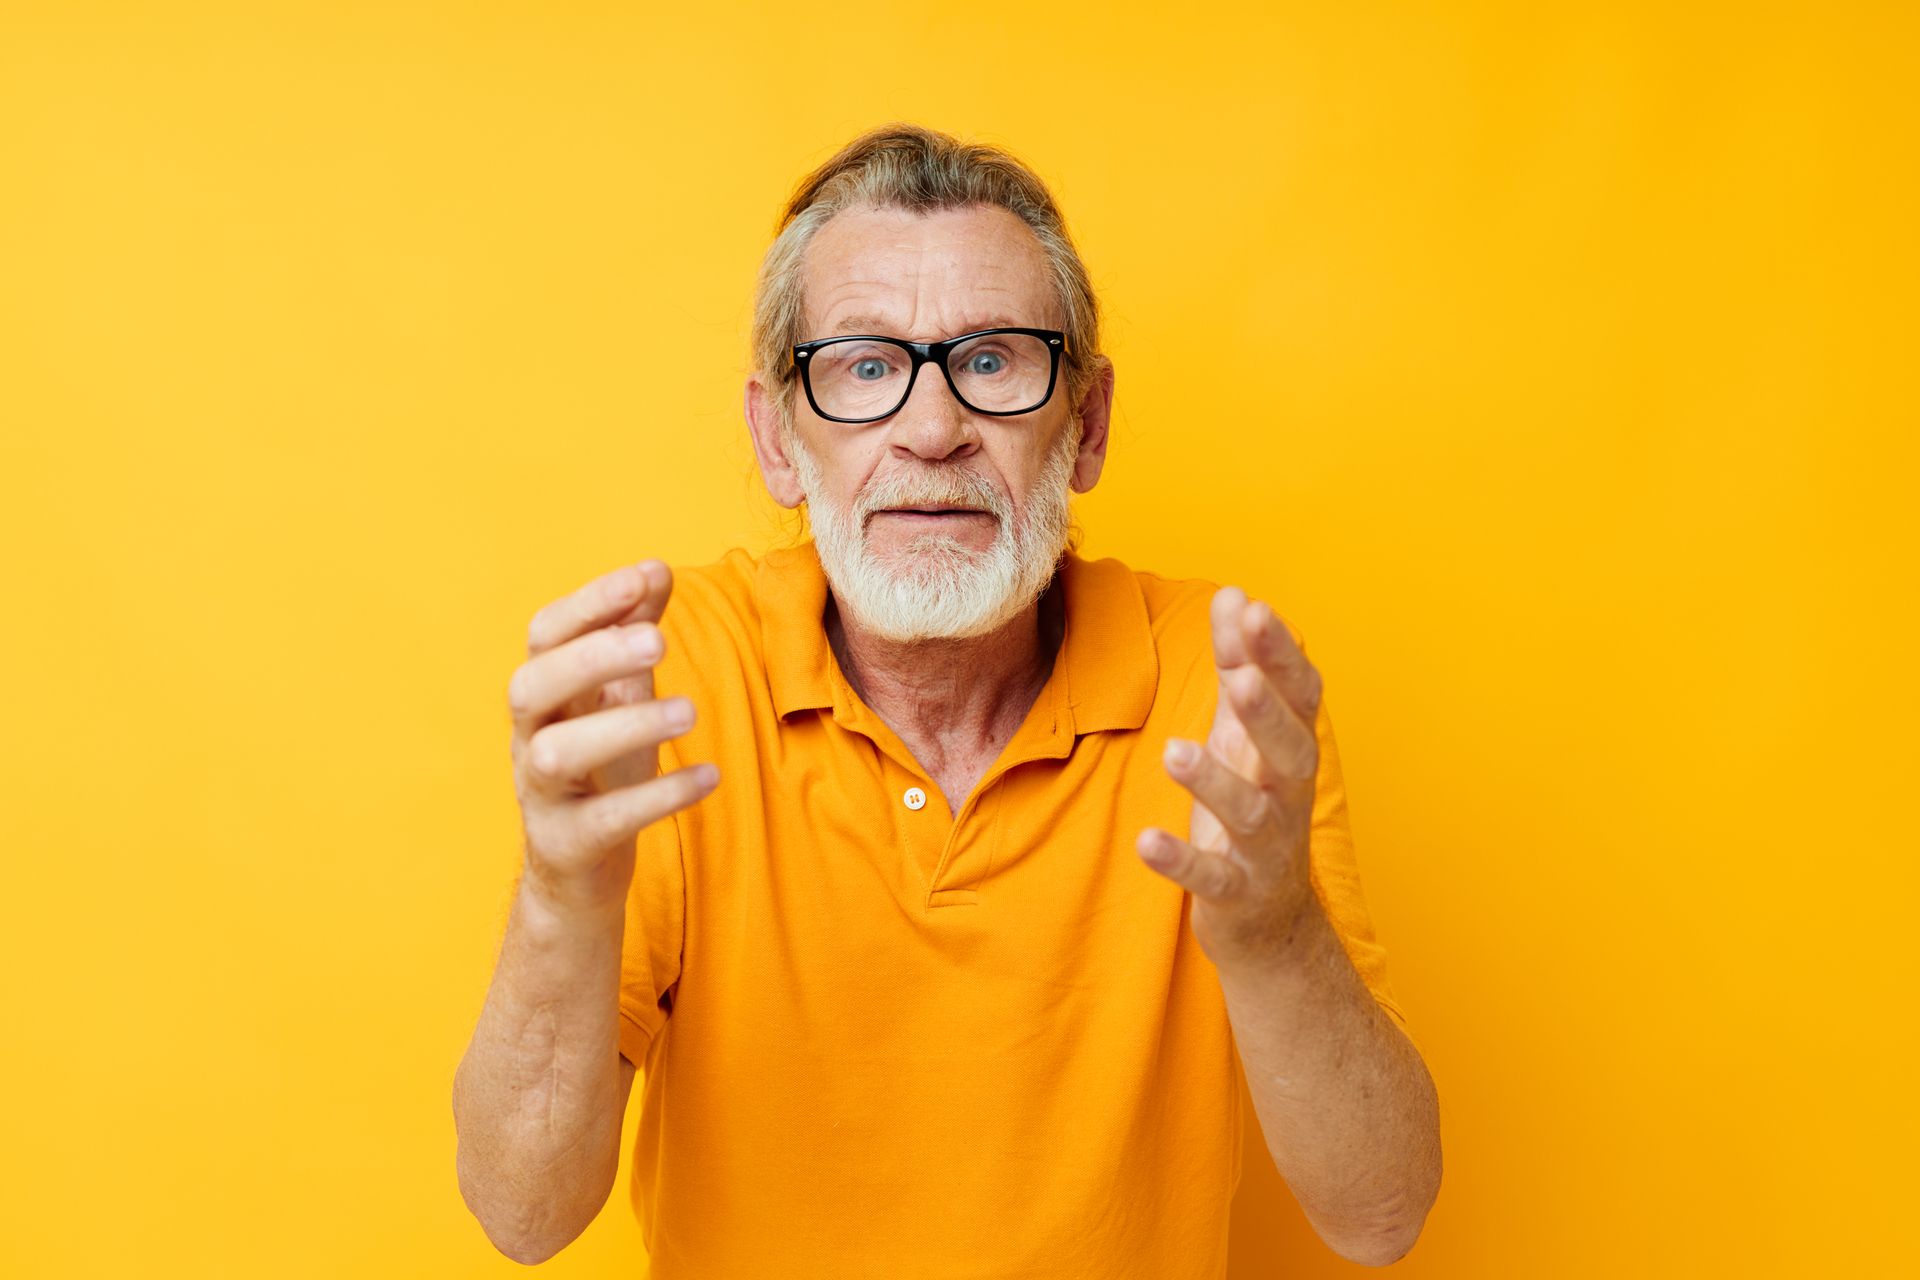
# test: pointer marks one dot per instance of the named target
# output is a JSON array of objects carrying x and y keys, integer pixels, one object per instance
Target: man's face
[{"x": 906, "y": 573}]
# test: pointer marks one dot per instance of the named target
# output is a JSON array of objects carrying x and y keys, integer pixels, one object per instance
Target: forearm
[
  {"x": 534, "y": 1098},
  {"x": 1345, "y": 1103}
]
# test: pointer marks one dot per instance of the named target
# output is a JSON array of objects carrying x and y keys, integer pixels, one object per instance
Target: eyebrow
[{"x": 857, "y": 324}]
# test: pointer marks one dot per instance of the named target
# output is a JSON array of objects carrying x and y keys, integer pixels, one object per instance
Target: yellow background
[{"x": 1551, "y": 366}]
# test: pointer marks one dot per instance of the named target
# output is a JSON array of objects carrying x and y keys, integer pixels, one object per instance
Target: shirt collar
[{"x": 1112, "y": 667}]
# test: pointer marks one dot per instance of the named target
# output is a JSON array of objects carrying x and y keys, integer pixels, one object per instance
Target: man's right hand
[{"x": 587, "y": 732}]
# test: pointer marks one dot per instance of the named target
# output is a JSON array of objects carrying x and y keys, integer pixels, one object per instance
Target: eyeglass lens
[{"x": 997, "y": 373}]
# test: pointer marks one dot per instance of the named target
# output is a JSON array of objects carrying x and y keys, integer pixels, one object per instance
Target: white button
[{"x": 914, "y": 797}]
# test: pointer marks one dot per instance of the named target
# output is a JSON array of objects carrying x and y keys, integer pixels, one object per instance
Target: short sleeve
[
  {"x": 1335, "y": 871},
  {"x": 650, "y": 945}
]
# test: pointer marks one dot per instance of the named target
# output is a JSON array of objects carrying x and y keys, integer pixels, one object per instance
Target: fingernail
[
  {"x": 680, "y": 713},
  {"x": 1182, "y": 753}
]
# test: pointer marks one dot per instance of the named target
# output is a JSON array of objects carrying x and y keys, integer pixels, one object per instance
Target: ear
[
  {"x": 763, "y": 424},
  {"x": 1095, "y": 411}
]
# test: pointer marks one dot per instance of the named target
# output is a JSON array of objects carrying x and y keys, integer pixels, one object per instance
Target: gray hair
[{"x": 906, "y": 166}]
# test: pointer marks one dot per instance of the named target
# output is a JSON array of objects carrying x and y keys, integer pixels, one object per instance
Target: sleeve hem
[{"x": 635, "y": 1039}]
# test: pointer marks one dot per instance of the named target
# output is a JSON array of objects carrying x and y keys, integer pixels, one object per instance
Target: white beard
[{"x": 936, "y": 587}]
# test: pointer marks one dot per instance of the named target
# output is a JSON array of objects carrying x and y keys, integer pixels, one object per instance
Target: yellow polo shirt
[{"x": 882, "y": 1039}]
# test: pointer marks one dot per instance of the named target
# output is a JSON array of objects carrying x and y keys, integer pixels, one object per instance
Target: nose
[{"x": 932, "y": 425}]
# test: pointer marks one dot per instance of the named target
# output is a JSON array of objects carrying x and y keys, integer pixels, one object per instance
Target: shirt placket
[{"x": 939, "y": 848}]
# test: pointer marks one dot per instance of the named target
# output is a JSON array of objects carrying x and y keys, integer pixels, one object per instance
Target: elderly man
[{"x": 946, "y": 886}]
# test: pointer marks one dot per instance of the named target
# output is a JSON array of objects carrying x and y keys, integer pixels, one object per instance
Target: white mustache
[{"x": 923, "y": 489}]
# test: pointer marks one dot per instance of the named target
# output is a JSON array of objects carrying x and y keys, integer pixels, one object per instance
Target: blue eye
[
  {"x": 993, "y": 362},
  {"x": 870, "y": 370}
]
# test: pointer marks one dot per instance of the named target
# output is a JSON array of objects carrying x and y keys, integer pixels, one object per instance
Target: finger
[
  {"x": 1205, "y": 875},
  {"x": 1229, "y": 642},
  {"x": 1229, "y": 651},
  {"x": 652, "y": 605},
  {"x": 637, "y": 592},
  {"x": 653, "y": 599},
  {"x": 562, "y": 755},
  {"x": 543, "y": 685},
  {"x": 1282, "y": 741},
  {"x": 617, "y": 816},
  {"x": 1243, "y": 808},
  {"x": 1270, "y": 645}
]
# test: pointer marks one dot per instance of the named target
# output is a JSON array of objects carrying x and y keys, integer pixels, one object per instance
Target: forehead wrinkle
[
  {"x": 878, "y": 327},
  {"x": 970, "y": 317},
  {"x": 945, "y": 277}
]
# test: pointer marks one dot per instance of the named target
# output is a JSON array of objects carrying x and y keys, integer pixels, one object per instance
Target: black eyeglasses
[{"x": 864, "y": 378}]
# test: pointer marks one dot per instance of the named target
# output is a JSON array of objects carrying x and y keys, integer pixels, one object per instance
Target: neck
[{"x": 966, "y": 695}]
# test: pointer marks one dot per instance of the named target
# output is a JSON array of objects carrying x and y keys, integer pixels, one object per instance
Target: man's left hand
[{"x": 1245, "y": 858}]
